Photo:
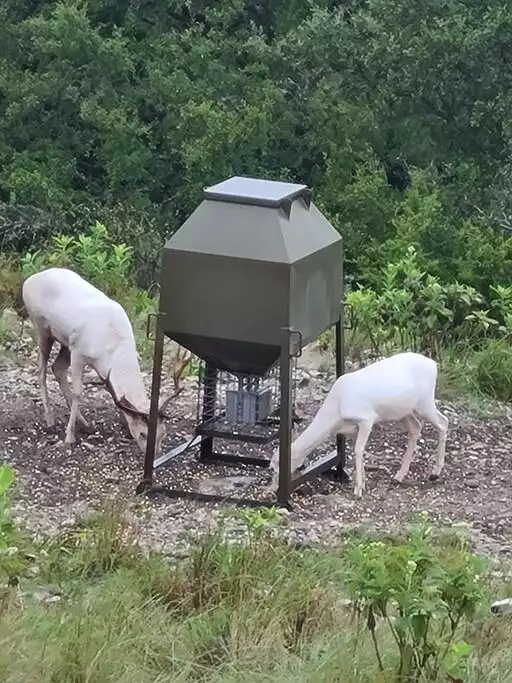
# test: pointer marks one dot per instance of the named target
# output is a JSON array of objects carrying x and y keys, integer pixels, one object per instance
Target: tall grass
[{"x": 258, "y": 611}]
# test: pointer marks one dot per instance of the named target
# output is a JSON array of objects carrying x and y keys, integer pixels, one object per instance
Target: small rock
[{"x": 502, "y": 607}]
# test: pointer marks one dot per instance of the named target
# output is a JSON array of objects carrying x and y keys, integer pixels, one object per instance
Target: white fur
[
  {"x": 401, "y": 387},
  {"x": 94, "y": 330}
]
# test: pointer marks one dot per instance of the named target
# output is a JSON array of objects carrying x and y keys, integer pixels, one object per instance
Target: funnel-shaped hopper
[{"x": 254, "y": 257}]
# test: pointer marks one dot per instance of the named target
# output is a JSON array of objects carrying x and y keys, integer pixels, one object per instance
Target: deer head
[{"x": 138, "y": 420}]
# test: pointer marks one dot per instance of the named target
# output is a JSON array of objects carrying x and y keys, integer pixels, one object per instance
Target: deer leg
[
  {"x": 363, "y": 432},
  {"x": 45, "y": 346},
  {"x": 413, "y": 426},
  {"x": 77, "y": 369},
  {"x": 60, "y": 370},
  {"x": 441, "y": 422}
]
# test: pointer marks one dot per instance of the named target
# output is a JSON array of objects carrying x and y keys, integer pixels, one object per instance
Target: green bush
[
  {"x": 252, "y": 607},
  {"x": 93, "y": 255},
  {"x": 13, "y": 560},
  {"x": 144, "y": 230},
  {"x": 424, "y": 592},
  {"x": 10, "y": 284},
  {"x": 96, "y": 257},
  {"x": 493, "y": 369},
  {"x": 6, "y": 525},
  {"x": 26, "y": 228},
  {"x": 412, "y": 309}
]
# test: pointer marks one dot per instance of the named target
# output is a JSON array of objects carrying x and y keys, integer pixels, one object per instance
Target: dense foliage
[
  {"x": 396, "y": 114},
  {"x": 115, "y": 115}
]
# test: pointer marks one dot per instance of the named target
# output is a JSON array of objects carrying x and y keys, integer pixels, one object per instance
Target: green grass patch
[{"x": 255, "y": 610}]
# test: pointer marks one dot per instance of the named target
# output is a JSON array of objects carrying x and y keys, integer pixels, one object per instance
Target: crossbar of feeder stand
[
  {"x": 326, "y": 463},
  {"x": 174, "y": 452},
  {"x": 207, "y": 432}
]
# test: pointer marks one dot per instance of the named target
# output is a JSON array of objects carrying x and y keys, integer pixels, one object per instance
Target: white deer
[
  {"x": 401, "y": 387},
  {"x": 94, "y": 330}
]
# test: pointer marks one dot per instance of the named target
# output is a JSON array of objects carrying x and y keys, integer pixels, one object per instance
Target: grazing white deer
[
  {"x": 94, "y": 330},
  {"x": 401, "y": 387}
]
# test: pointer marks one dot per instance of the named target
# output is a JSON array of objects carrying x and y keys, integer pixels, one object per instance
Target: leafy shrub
[
  {"x": 94, "y": 255},
  {"x": 12, "y": 559},
  {"x": 424, "y": 592},
  {"x": 493, "y": 369},
  {"x": 10, "y": 284},
  {"x": 22, "y": 227},
  {"x": 412, "y": 309},
  {"x": 145, "y": 231},
  {"x": 6, "y": 525}
]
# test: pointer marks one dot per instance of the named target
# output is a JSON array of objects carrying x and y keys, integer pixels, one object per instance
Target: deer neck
[{"x": 126, "y": 379}]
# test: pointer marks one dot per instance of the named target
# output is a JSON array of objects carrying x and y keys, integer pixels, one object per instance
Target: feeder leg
[
  {"x": 153, "y": 408},
  {"x": 209, "y": 399},
  {"x": 341, "y": 446},
  {"x": 285, "y": 421}
]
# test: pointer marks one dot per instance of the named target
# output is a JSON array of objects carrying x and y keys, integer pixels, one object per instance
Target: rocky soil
[{"x": 56, "y": 485}]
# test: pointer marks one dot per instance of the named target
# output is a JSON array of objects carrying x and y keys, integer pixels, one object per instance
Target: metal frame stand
[
  {"x": 147, "y": 482},
  {"x": 290, "y": 348},
  {"x": 208, "y": 432},
  {"x": 341, "y": 444},
  {"x": 332, "y": 462}
]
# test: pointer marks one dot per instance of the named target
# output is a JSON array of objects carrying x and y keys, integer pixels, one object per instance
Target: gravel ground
[{"x": 57, "y": 484}]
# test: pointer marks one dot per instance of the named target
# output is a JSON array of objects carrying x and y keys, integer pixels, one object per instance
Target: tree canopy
[{"x": 397, "y": 114}]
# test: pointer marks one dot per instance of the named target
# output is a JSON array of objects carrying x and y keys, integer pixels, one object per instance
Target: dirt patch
[{"x": 57, "y": 484}]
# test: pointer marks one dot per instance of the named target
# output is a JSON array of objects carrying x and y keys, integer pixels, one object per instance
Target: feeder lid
[
  {"x": 257, "y": 220},
  {"x": 257, "y": 191}
]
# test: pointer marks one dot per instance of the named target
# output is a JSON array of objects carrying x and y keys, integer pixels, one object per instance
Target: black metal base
[
  {"x": 227, "y": 458},
  {"x": 219, "y": 430},
  {"x": 330, "y": 466},
  {"x": 155, "y": 490},
  {"x": 232, "y": 459},
  {"x": 210, "y": 429}
]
